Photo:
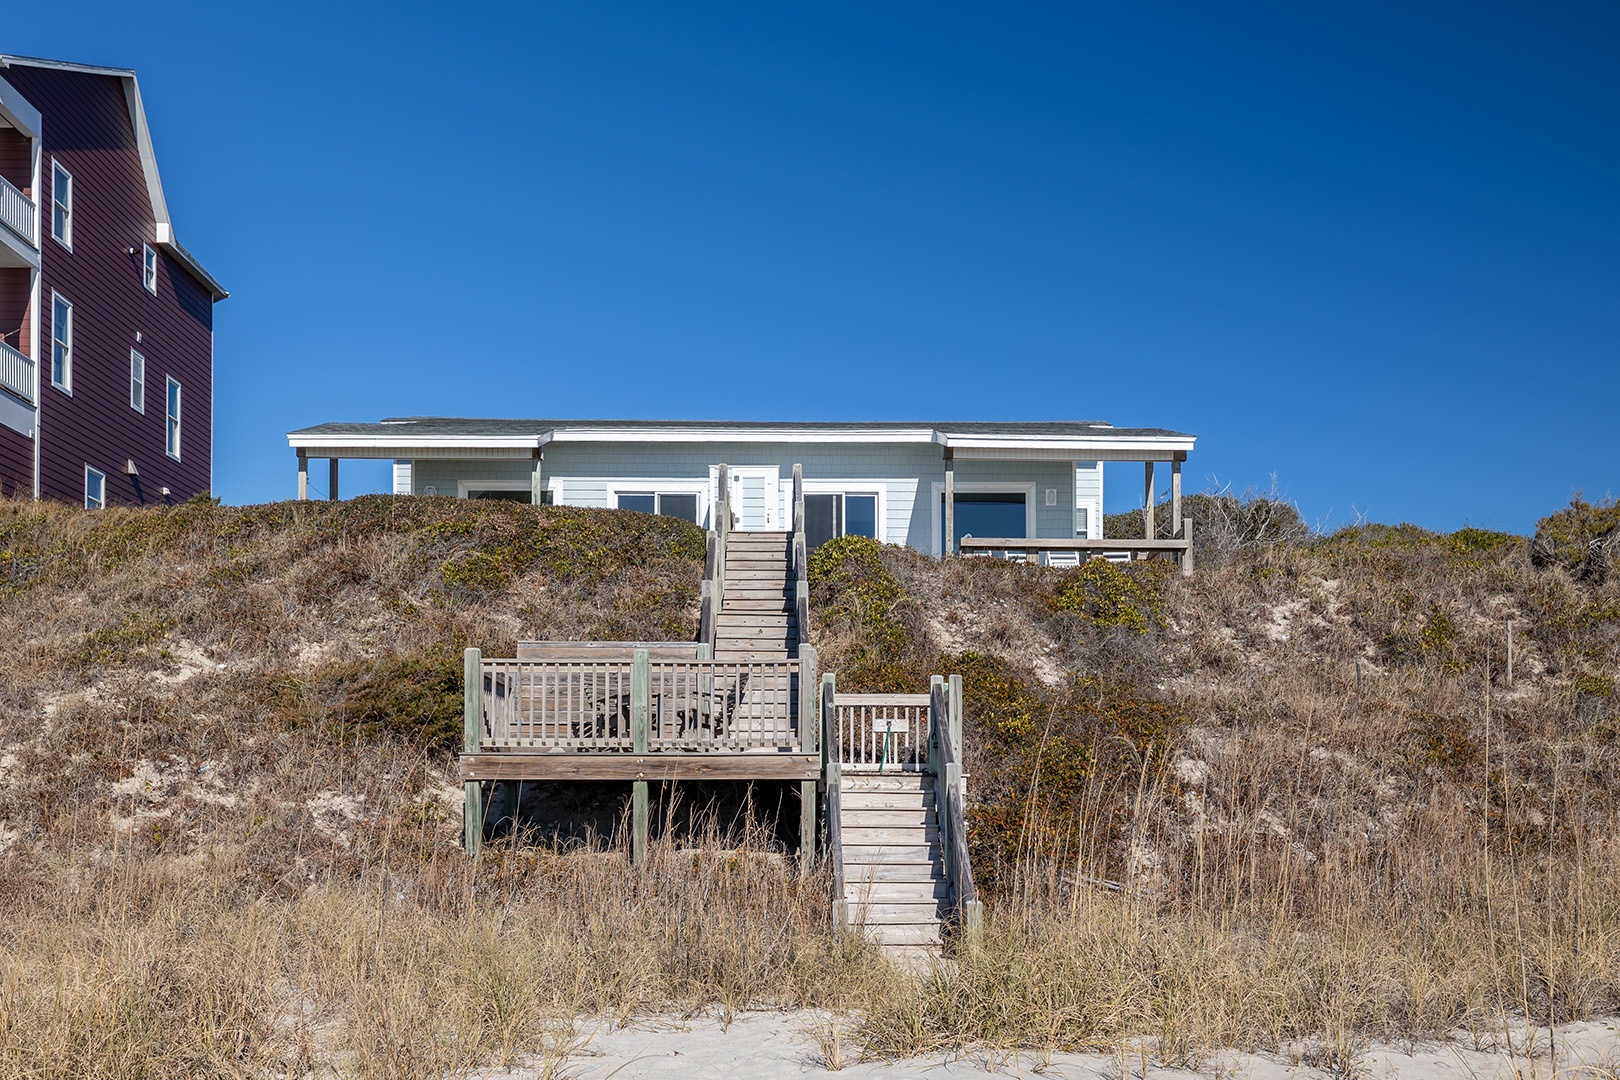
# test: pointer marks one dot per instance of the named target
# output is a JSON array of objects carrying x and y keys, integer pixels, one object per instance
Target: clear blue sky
[{"x": 1373, "y": 250}]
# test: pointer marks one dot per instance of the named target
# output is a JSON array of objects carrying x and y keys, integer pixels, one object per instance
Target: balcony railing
[
  {"x": 16, "y": 372},
  {"x": 17, "y": 212}
]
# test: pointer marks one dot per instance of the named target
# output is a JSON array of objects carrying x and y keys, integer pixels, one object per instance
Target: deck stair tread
[
  {"x": 894, "y": 870},
  {"x": 758, "y": 616}
]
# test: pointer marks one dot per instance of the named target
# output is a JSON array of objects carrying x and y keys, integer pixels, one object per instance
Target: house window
[
  {"x": 95, "y": 489},
  {"x": 137, "y": 381},
  {"x": 149, "y": 268},
  {"x": 838, "y": 514},
  {"x": 1082, "y": 523},
  {"x": 517, "y": 495},
  {"x": 61, "y": 205},
  {"x": 999, "y": 514},
  {"x": 171, "y": 444},
  {"x": 61, "y": 343},
  {"x": 663, "y": 503}
]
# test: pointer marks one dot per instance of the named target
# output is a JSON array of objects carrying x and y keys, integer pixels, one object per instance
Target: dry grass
[{"x": 228, "y": 831}]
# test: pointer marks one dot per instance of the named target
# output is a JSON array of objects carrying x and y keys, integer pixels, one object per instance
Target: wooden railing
[
  {"x": 832, "y": 778},
  {"x": 641, "y": 704},
  {"x": 881, "y": 731},
  {"x": 945, "y": 757},
  {"x": 713, "y": 589},
  {"x": 16, "y": 372},
  {"x": 1055, "y": 552},
  {"x": 17, "y": 211},
  {"x": 801, "y": 558}
]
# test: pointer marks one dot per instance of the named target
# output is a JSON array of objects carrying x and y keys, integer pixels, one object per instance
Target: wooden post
[
  {"x": 472, "y": 736},
  {"x": 940, "y": 725},
  {"x": 640, "y": 695},
  {"x": 955, "y": 706},
  {"x": 948, "y": 546},
  {"x": 809, "y": 743},
  {"x": 537, "y": 484},
  {"x": 1187, "y": 556},
  {"x": 331, "y": 481},
  {"x": 1175, "y": 498},
  {"x": 829, "y": 719},
  {"x": 303, "y": 476},
  {"x": 1147, "y": 501}
]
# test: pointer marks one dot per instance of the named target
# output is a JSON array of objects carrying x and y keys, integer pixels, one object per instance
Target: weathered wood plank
[
  {"x": 663, "y": 766},
  {"x": 605, "y": 650},
  {"x": 883, "y": 699}
]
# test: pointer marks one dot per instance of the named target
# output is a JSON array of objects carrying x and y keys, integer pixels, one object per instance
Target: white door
[{"x": 755, "y": 496}]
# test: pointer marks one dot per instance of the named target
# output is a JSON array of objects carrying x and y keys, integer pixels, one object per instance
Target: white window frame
[
  {"x": 95, "y": 504},
  {"x": 137, "y": 381},
  {"x": 847, "y": 488},
  {"x": 613, "y": 486},
  {"x": 172, "y": 416},
  {"x": 465, "y": 488},
  {"x": 149, "y": 268},
  {"x": 67, "y": 207},
  {"x": 65, "y": 384},
  {"x": 981, "y": 487}
]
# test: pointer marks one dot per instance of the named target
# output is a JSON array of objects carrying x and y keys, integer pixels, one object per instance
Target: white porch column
[
  {"x": 1147, "y": 500},
  {"x": 948, "y": 544},
  {"x": 303, "y": 477},
  {"x": 1175, "y": 498}
]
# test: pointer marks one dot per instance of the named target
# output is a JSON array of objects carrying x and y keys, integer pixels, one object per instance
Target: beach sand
[{"x": 780, "y": 1045}]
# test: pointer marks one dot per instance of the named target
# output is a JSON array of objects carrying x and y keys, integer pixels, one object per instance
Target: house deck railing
[
  {"x": 881, "y": 732},
  {"x": 17, "y": 212},
  {"x": 1064, "y": 552},
  {"x": 16, "y": 372},
  {"x": 642, "y": 705}
]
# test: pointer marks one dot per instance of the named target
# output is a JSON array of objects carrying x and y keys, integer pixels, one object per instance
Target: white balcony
[
  {"x": 16, "y": 373},
  {"x": 17, "y": 212}
]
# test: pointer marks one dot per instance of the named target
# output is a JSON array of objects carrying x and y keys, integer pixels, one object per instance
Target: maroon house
[{"x": 106, "y": 322}]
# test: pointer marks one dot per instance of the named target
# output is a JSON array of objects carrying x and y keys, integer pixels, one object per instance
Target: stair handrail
[
  {"x": 714, "y": 560},
  {"x": 801, "y": 580},
  {"x": 945, "y": 756},
  {"x": 832, "y": 773}
]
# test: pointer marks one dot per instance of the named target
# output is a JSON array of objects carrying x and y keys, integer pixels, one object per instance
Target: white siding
[
  {"x": 1088, "y": 495},
  {"x": 402, "y": 478}
]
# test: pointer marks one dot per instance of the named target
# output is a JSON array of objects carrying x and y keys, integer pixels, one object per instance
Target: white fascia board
[
  {"x": 1080, "y": 446},
  {"x": 733, "y": 435},
  {"x": 18, "y": 112},
  {"x": 307, "y": 442}
]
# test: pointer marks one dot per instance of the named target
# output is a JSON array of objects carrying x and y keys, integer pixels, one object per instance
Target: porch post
[
  {"x": 537, "y": 487},
  {"x": 948, "y": 544},
  {"x": 472, "y": 695},
  {"x": 331, "y": 484},
  {"x": 1147, "y": 500},
  {"x": 303, "y": 476},
  {"x": 640, "y": 717},
  {"x": 1175, "y": 498}
]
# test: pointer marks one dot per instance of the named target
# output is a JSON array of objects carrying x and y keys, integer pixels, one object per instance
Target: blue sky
[{"x": 1373, "y": 250}]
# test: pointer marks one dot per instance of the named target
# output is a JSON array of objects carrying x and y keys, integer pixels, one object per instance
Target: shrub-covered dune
[{"x": 1293, "y": 797}]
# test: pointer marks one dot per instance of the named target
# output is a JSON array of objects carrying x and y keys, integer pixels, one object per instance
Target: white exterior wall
[
  {"x": 402, "y": 478},
  {"x": 1088, "y": 496},
  {"x": 903, "y": 475}
]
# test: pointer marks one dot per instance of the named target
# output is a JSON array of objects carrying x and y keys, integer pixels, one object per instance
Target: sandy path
[{"x": 777, "y": 1045}]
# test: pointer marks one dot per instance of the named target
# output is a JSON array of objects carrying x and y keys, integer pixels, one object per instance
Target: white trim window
[
  {"x": 61, "y": 343},
  {"x": 137, "y": 381},
  {"x": 681, "y": 504},
  {"x": 831, "y": 511},
  {"x": 171, "y": 421},
  {"x": 149, "y": 268},
  {"x": 95, "y": 489},
  {"x": 61, "y": 205}
]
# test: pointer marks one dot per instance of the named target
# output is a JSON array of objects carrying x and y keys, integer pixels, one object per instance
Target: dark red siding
[
  {"x": 87, "y": 128},
  {"x": 16, "y": 162},
  {"x": 16, "y": 464},
  {"x": 14, "y": 308}
]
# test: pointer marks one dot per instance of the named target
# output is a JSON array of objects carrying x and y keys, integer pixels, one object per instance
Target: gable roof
[{"x": 143, "y": 142}]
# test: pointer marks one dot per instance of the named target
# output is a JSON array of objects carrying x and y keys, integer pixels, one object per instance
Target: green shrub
[
  {"x": 1110, "y": 597},
  {"x": 1583, "y": 538},
  {"x": 851, "y": 586}
]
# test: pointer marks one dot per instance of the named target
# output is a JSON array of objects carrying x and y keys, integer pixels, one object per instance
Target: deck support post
[
  {"x": 640, "y": 693},
  {"x": 1187, "y": 556},
  {"x": 1175, "y": 499},
  {"x": 331, "y": 479},
  {"x": 809, "y": 743},
  {"x": 954, "y": 697},
  {"x": 537, "y": 484},
  {"x": 472, "y": 721},
  {"x": 1148, "y": 523},
  {"x": 948, "y": 545},
  {"x": 303, "y": 476}
]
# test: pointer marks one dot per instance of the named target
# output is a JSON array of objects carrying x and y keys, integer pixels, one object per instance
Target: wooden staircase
[
  {"x": 758, "y": 619},
  {"x": 894, "y": 868}
]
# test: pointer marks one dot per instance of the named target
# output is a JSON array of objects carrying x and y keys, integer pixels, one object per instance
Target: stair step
[
  {"x": 928, "y": 891},
  {"x": 860, "y": 801},
  {"x": 922, "y": 911},
  {"x": 861, "y": 783},
  {"x": 888, "y": 854},
  {"x": 903, "y": 818},
  {"x": 915, "y": 934},
  {"x": 915, "y": 873}
]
